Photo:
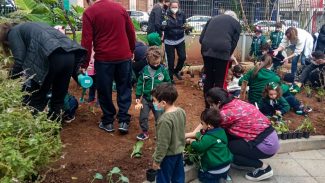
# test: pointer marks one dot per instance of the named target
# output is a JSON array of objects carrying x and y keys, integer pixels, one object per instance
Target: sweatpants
[{"x": 144, "y": 114}]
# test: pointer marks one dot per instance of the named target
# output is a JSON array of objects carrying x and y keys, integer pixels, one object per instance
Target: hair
[
  {"x": 4, "y": 29},
  {"x": 154, "y": 54},
  {"x": 318, "y": 55},
  {"x": 232, "y": 14},
  {"x": 269, "y": 87},
  {"x": 165, "y": 92},
  {"x": 174, "y": 1},
  {"x": 265, "y": 47},
  {"x": 218, "y": 95},
  {"x": 238, "y": 69},
  {"x": 278, "y": 25},
  {"x": 266, "y": 61},
  {"x": 292, "y": 33},
  {"x": 211, "y": 117}
]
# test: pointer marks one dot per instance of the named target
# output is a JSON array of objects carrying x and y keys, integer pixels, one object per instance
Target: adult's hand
[
  {"x": 275, "y": 52},
  {"x": 285, "y": 60}
]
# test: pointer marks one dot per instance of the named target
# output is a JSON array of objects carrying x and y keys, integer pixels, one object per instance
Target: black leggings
[{"x": 245, "y": 155}]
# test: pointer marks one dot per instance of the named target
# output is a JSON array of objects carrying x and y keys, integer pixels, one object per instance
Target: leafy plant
[
  {"x": 321, "y": 93},
  {"x": 27, "y": 143},
  {"x": 308, "y": 89},
  {"x": 193, "y": 156},
  {"x": 280, "y": 127},
  {"x": 307, "y": 125},
  {"x": 118, "y": 172}
]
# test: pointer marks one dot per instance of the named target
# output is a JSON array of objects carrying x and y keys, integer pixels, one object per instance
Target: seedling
[
  {"x": 320, "y": 94},
  {"x": 308, "y": 91},
  {"x": 118, "y": 172}
]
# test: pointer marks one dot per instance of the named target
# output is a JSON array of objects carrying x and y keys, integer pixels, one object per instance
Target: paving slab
[
  {"x": 315, "y": 168},
  {"x": 320, "y": 179},
  {"x": 286, "y": 167},
  {"x": 313, "y": 154},
  {"x": 238, "y": 176},
  {"x": 322, "y": 152},
  {"x": 281, "y": 179},
  {"x": 294, "y": 145}
]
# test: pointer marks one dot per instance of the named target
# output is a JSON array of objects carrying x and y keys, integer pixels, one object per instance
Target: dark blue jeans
[
  {"x": 206, "y": 177},
  {"x": 171, "y": 170},
  {"x": 106, "y": 72},
  {"x": 294, "y": 64},
  {"x": 293, "y": 102}
]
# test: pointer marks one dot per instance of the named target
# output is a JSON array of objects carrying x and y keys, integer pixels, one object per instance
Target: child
[
  {"x": 272, "y": 102},
  {"x": 168, "y": 157},
  {"x": 152, "y": 74},
  {"x": 258, "y": 40},
  {"x": 290, "y": 89},
  {"x": 276, "y": 60},
  {"x": 233, "y": 87},
  {"x": 211, "y": 143}
]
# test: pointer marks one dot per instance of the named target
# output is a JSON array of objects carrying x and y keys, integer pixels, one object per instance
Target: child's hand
[
  {"x": 189, "y": 141},
  {"x": 155, "y": 166},
  {"x": 277, "y": 112}
]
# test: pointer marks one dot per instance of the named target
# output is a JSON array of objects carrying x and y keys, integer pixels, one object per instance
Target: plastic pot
[
  {"x": 294, "y": 135},
  {"x": 306, "y": 135},
  {"x": 290, "y": 135},
  {"x": 151, "y": 175},
  {"x": 279, "y": 135},
  {"x": 284, "y": 136},
  {"x": 299, "y": 135}
]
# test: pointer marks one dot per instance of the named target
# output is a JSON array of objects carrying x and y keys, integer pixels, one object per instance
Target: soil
[{"x": 88, "y": 149}]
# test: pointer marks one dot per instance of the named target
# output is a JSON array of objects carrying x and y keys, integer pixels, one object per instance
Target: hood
[
  {"x": 264, "y": 74},
  {"x": 216, "y": 133}
]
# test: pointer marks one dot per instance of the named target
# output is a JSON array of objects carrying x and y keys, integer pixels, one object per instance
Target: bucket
[{"x": 85, "y": 81}]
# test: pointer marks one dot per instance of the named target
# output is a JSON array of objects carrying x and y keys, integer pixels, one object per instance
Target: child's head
[
  {"x": 238, "y": 70},
  {"x": 272, "y": 91},
  {"x": 265, "y": 48},
  {"x": 278, "y": 26},
  {"x": 266, "y": 62},
  {"x": 216, "y": 97},
  {"x": 164, "y": 94},
  {"x": 210, "y": 118},
  {"x": 318, "y": 57},
  {"x": 154, "y": 56},
  {"x": 288, "y": 78}
]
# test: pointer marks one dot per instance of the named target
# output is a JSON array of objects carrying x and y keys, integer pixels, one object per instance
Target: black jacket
[
  {"x": 155, "y": 19},
  {"x": 32, "y": 43},
  {"x": 219, "y": 37},
  {"x": 174, "y": 30},
  {"x": 321, "y": 40}
]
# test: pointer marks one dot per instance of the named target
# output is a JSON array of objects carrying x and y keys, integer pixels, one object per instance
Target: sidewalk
[{"x": 295, "y": 167}]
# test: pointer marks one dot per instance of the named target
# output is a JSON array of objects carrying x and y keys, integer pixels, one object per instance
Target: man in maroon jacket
[{"x": 108, "y": 28}]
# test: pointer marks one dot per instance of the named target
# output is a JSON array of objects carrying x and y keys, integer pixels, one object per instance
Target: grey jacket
[{"x": 32, "y": 43}]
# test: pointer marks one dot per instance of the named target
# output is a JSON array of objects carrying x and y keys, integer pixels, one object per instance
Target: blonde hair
[
  {"x": 232, "y": 14},
  {"x": 154, "y": 55},
  {"x": 292, "y": 33}
]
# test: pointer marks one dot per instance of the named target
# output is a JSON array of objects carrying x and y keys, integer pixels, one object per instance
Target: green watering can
[{"x": 85, "y": 82}]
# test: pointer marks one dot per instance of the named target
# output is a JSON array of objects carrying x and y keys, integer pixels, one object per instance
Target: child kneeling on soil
[
  {"x": 212, "y": 143},
  {"x": 152, "y": 74},
  {"x": 170, "y": 144},
  {"x": 272, "y": 102},
  {"x": 233, "y": 86}
]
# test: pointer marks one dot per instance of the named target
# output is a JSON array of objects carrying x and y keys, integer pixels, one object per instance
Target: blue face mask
[{"x": 155, "y": 106}]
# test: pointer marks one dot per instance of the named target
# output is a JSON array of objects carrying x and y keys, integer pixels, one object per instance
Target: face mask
[
  {"x": 154, "y": 67},
  {"x": 155, "y": 106},
  {"x": 174, "y": 10}
]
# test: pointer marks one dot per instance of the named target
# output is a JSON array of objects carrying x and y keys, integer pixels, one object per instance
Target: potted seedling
[
  {"x": 191, "y": 157},
  {"x": 299, "y": 132},
  {"x": 277, "y": 128},
  {"x": 308, "y": 91},
  {"x": 308, "y": 127},
  {"x": 320, "y": 94},
  {"x": 284, "y": 129}
]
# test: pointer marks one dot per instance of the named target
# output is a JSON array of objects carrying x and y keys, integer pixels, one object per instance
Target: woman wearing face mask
[
  {"x": 174, "y": 36},
  {"x": 250, "y": 133}
]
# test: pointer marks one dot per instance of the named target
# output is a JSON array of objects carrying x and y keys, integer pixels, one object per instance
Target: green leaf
[
  {"x": 50, "y": 1},
  {"x": 124, "y": 179},
  {"x": 115, "y": 170},
  {"x": 98, "y": 176},
  {"x": 40, "y": 9},
  {"x": 26, "y": 5},
  {"x": 78, "y": 9}
]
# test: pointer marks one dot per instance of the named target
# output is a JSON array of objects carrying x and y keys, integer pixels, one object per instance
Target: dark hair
[
  {"x": 165, "y": 92},
  {"x": 272, "y": 86},
  {"x": 265, "y": 47},
  {"x": 278, "y": 25},
  {"x": 238, "y": 69},
  {"x": 266, "y": 61},
  {"x": 4, "y": 29},
  {"x": 218, "y": 95},
  {"x": 211, "y": 117},
  {"x": 318, "y": 55}
]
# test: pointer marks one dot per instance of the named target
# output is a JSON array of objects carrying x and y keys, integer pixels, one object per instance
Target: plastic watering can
[{"x": 85, "y": 82}]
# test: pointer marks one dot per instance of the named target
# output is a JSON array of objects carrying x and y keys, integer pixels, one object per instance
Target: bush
[{"x": 27, "y": 143}]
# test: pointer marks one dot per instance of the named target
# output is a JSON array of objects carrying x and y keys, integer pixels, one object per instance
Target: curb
[{"x": 293, "y": 145}]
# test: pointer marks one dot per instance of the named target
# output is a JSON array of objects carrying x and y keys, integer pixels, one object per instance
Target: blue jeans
[
  {"x": 106, "y": 72},
  {"x": 171, "y": 170},
  {"x": 206, "y": 177},
  {"x": 293, "y": 102},
  {"x": 294, "y": 64}
]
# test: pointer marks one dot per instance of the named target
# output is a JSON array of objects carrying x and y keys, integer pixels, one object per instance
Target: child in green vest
[
  {"x": 257, "y": 42},
  {"x": 212, "y": 144},
  {"x": 152, "y": 75},
  {"x": 276, "y": 36}
]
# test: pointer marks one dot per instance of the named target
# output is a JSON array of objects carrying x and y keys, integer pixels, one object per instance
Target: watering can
[{"x": 85, "y": 82}]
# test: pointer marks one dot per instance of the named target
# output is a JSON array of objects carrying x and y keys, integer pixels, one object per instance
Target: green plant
[
  {"x": 281, "y": 126},
  {"x": 308, "y": 89},
  {"x": 320, "y": 92},
  {"x": 307, "y": 125},
  {"x": 193, "y": 156},
  {"x": 27, "y": 143},
  {"x": 118, "y": 172}
]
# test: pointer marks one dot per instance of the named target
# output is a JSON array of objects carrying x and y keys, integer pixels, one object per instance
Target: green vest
[{"x": 276, "y": 38}]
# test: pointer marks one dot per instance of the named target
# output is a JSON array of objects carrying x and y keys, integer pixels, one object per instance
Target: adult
[
  {"x": 257, "y": 42},
  {"x": 320, "y": 44},
  {"x": 250, "y": 133},
  {"x": 46, "y": 57},
  {"x": 258, "y": 77},
  {"x": 302, "y": 43},
  {"x": 174, "y": 39},
  {"x": 108, "y": 28},
  {"x": 217, "y": 46},
  {"x": 156, "y": 17},
  {"x": 314, "y": 71}
]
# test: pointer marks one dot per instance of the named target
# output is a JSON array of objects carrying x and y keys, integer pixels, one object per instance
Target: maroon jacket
[{"x": 108, "y": 28}]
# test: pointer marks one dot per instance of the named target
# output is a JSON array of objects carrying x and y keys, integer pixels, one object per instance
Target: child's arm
[
  {"x": 139, "y": 88},
  {"x": 284, "y": 106},
  {"x": 246, "y": 77},
  {"x": 202, "y": 145},
  {"x": 166, "y": 75},
  {"x": 164, "y": 130}
]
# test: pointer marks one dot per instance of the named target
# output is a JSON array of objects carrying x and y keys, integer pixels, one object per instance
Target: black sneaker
[
  {"x": 69, "y": 118},
  {"x": 178, "y": 76},
  {"x": 260, "y": 174},
  {"x": 123, "y": 127},
  {"x": 143, "y": 136},
  {"x": 108, "y": 127}
]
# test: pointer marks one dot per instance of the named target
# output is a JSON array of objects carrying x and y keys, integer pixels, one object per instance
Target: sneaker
[
  {"x": 308, "y": 109},
  {"x": 108, "y": 127},
  {"x": 123, "y": 127},
  {"x": 143, "y": 136},
  {"x": 178, "y": 76},
  {"x": 69, "y": 119},
  {"x": 260, "y": 174}
]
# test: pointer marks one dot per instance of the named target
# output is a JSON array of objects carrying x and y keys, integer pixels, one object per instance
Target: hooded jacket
[
  {"x": 257, "y": 84},
  {"x": 213, "y": 147}
]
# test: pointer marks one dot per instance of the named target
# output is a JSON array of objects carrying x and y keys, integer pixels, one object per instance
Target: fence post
[
  {"x": 243, "y": 47},
  {"x": 278, "y": 11}
]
